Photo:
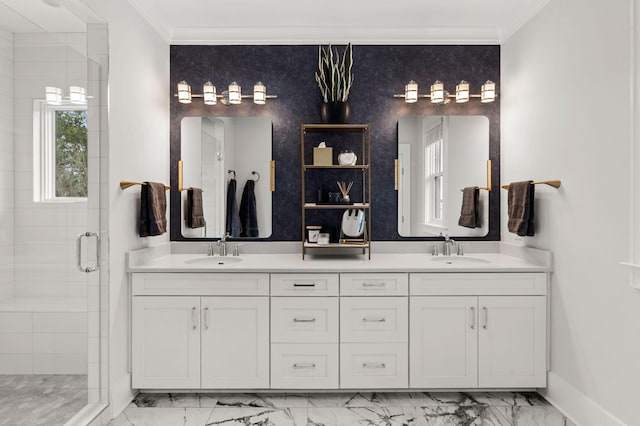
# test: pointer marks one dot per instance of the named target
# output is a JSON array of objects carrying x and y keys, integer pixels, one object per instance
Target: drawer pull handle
[
  {"x": 374, "y": 365},
  {"x": 486, "y": 317},
  {"x": 304, "y": 320},
  {"x": 206, "y": 318},
  {"x": 193, "y": 318},
  {"x": 374, "y": 319},
  {"x": 304, "y": 284},
  {"x": 382, "y": 284},
  {"x": 304, "y": 365},
  {"x": 473, "y": 317}
]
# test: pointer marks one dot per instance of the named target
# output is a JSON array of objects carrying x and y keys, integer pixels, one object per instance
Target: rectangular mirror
[
  {"x": 210, "y": 148},
  {"x": 439, "y": 156}
]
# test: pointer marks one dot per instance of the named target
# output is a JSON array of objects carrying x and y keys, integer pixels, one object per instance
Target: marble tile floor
[
  {"x": 332, "y": 409},
  {"x": 41, "y": 399}
]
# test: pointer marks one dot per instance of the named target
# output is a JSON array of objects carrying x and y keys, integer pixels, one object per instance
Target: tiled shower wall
[
  {"x": 6, "y": 164},
  {"x": 44, "y": 232}
]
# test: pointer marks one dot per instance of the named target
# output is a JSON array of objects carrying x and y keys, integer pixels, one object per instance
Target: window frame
[{"x": 44, "y": 151}]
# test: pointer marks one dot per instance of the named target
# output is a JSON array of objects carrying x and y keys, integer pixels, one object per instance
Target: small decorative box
[{"x": 323, "y": 156}]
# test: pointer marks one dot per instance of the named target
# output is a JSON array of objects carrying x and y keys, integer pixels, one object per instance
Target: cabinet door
[
  {"x": 443, "y": 342},
  {"x": 165, "y": 342},
  {"x": 512, "y": 345},
  {"x": 235, "y": 342}
]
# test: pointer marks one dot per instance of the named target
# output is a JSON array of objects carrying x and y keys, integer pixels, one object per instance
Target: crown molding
[
  {"x": 507, "y": 31},
  {"x": 163, "y": 31},
  {"x": 315, "y": 35}
]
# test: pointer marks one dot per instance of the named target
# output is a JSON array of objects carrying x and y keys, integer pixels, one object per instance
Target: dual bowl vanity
[{"x": 400, "y": 321}]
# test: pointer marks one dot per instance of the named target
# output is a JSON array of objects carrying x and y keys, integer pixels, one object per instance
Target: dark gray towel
[
  {"x": 195, "y": 213},
  {"x": 233, "y": 226},
  {"x": 248, "y": 211},
  {"x": 153, "y": 209},
  {"x": 469, "y": 213},
  {"x": 520, "y": 208}
]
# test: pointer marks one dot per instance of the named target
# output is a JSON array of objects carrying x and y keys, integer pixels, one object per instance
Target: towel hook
[
  {"x": 232, "y": 171},
  {"x": 253, "y": 172}
]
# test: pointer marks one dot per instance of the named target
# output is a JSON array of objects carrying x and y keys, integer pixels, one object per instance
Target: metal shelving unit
[{"x": 364, "y": 204}]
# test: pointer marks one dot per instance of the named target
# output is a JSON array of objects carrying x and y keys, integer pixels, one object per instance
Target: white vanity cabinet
[
  {"x": 374, "y": 331},
  {"x": 304, "y": 331},
  {"x": 339, "y": 330},
  {"x": 216, "y": 340},
  {"x": 478, "y": 330}
]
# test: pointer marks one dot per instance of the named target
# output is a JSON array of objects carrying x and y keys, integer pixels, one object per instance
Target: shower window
[{"x": 60, "y": 147}]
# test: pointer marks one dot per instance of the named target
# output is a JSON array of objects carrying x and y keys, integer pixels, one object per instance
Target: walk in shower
[{"x": 50, "y": 136}]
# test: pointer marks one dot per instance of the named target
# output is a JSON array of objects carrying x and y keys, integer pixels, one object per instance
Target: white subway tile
[
  {"x": 16, "y": 322},
  {"x": 16, "y": 343},
  {"x": 40, "y": 70},
  {"x": 59, "y": 343},
  {"x": 39, "y": 39},
  {"x": 16, "y": 364},
  {"x": 60, "y": 322},
  {"x": 60, "y": 363},
  {"x": 40, "y": 289}
]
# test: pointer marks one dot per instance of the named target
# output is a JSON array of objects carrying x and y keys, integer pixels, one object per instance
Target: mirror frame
[
  {"x": 493, "y": 233},
  {"x": 175, "y": 204},
  {"x": 480, "y": 181}
]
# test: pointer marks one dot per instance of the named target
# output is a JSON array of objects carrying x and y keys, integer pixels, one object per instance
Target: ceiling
[
  {"x": 33, "y": 16},
  {"x": 358, "y": 21}
]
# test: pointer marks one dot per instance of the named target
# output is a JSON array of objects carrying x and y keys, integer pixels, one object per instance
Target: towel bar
[
  {"x": 554, "y": 183},
  {"x": 124, "y": 184}
]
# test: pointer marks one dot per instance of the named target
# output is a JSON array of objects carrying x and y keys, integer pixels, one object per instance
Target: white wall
[
  {"x": 6, "y": 164},
  {"x": 565, "y": 95},
  {"x": 138, "y": 151},
  {"x": 44, "y": 232}
]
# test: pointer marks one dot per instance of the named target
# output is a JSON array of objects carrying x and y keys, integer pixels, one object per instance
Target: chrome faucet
[
  {"x": 222, "y": 243},
  {"x": 448, "y": 242}
]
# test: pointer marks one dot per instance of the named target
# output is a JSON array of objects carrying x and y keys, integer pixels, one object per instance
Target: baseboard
[
  {"x": 576, "y": 406},
  {"x": 121, "y": 395}
]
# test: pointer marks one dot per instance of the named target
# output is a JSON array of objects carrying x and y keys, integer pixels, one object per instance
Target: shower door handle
[{"x": 79, "y": 252}]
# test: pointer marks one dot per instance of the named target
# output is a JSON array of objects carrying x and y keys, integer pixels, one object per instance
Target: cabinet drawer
[
  {"x": 373, "y": 319},
  {"x": 374, "y": 365},
  {"x": 309, "y": 366},
  {"x": 374, "y": 284},
  {"x": 200, "y": 284},
  {"x": 304, "y": 284},
  {"x": 304, "y": 319},
  {"x": 494, "y": 284}
]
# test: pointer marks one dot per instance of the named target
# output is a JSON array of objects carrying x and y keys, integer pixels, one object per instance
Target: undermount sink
[
  {"x": 214, "y": 260},
  {"x": 458, "y": 260}
]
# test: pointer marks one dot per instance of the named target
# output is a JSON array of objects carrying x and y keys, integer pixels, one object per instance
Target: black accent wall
[{"x": 380, "y": 72}]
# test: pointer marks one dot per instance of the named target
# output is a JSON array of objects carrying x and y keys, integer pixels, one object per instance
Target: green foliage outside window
[{"x": 71, "y": 153}]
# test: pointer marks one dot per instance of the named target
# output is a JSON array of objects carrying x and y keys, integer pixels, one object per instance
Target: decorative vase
[{"x": 335, "y": 112}]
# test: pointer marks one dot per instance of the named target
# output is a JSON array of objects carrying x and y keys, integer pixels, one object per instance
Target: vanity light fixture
[
  {"x": 53, "y": 95},
  {"x": 462, "y": 92},
  {"x": 440, "y": 96},
  {"x": 259, "y": 93},
  {"x": 77, "y": 95},
  {"x": 209, "y": 93},
  {"x": 235, "y": 93},
  {"x": 184, "y": 92},
  {"x": 411, "y": 92},
  {"x": 231, "y": 96},
  {"x": 488, "y": 92}
]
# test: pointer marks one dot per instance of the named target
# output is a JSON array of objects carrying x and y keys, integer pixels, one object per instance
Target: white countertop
[{"x": 292, "y": 262}]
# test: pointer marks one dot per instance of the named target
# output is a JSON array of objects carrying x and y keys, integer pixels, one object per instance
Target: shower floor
[{"x": 41, "y": 399}]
